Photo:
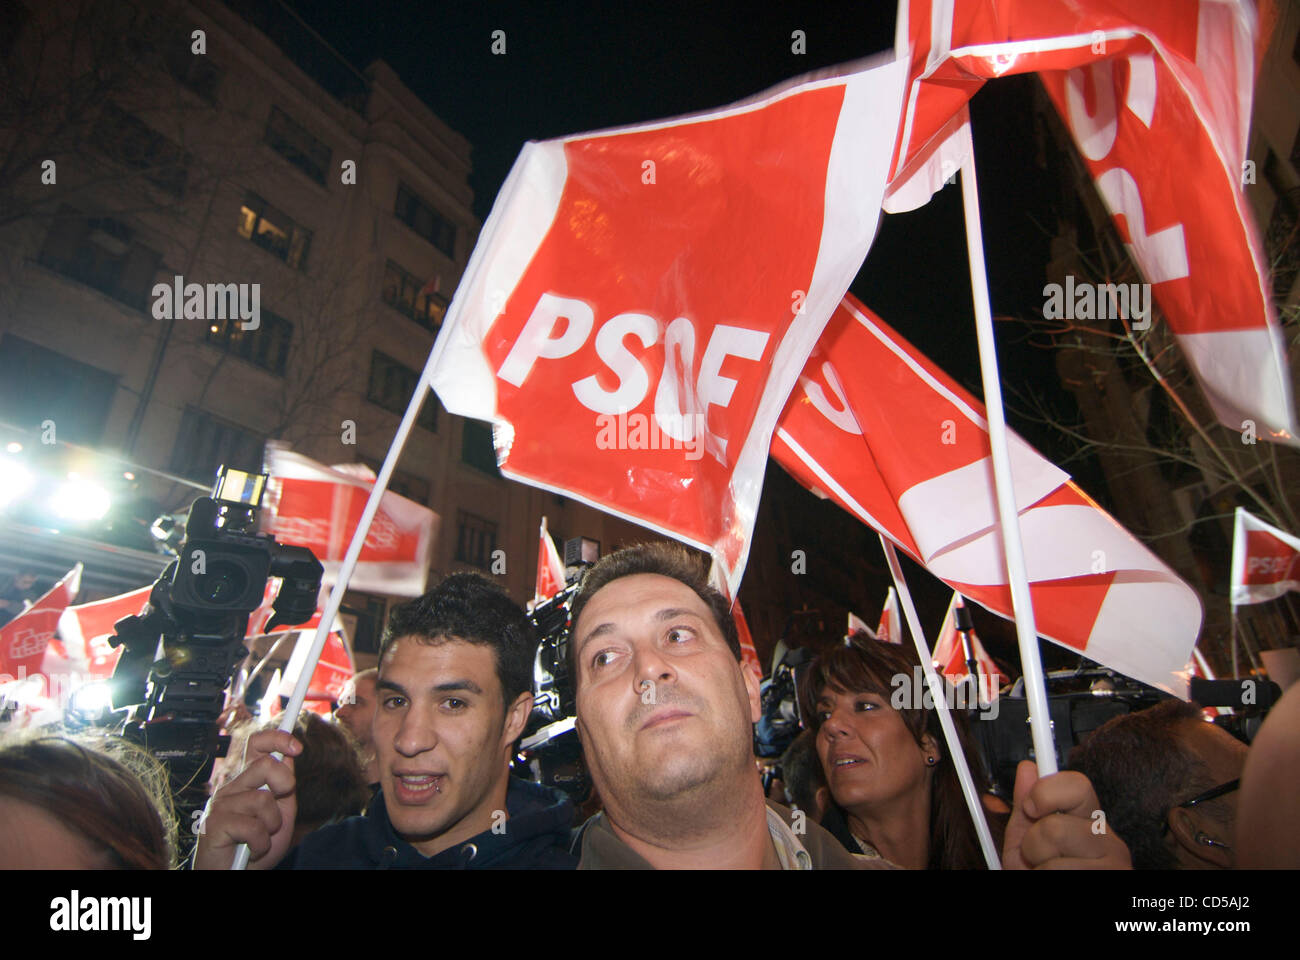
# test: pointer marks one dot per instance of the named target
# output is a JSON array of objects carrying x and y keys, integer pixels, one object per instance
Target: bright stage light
[
  {"x": 15, "y": 480},
  {"x": 80, "y": 499}
]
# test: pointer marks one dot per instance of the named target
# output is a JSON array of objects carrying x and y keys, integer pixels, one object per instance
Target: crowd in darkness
[{"x": 413, "y": 770}]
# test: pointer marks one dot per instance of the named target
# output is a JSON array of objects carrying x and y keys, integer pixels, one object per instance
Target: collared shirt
[{"x": 813, "y": 849}]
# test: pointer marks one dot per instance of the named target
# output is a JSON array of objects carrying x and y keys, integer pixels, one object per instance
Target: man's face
[
  {"x": 867, "y": 753},
  {"x": 440, "y": 736},
  {"x": 662, "y": 705},
  {"x": 356, "y": 708}
]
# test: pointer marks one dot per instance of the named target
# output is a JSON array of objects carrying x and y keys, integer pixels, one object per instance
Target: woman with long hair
[{"x": 895, "y": 789}]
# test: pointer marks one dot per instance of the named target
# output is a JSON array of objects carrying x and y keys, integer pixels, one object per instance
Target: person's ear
[
  {"x": 821, "y": 803},
  {"x": 517, "y": 718},
  {"x": 930, "y": 748},
  {"x": 750, "y": 676},
  {"x": 1200, "y": 840}
]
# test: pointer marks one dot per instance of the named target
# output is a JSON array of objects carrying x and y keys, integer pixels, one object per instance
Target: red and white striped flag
[
  {"x": 950, "y": 656},
  {"x": 1157, "y": 94},
  {"x": 891, "y": 621},
  {"x": 25, "y": 639},
  {"x": 1265, "y": 560},
  {"x": 550, "y": 568},
  {"x": 896, "y": 442},
  {"x": 641, "y": 300}
]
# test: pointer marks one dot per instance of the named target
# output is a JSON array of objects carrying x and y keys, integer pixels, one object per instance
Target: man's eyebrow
[
  {"x": 389, "y": 685},
  {"x": 668, "y": 613},
  {"x": 448, "y": 687},
  {"x": 453, "y": 685}
]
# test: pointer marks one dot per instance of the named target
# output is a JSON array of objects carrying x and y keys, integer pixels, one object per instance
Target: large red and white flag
[
  {"x": 319, "y": 507},
  {"x": 891, "y": 621},
  {"x": 892, "y": 439},
  {"x": 641, "y": 300},
  {"x": 1157, "y": 94},
  {"x": 550, "y": 568},
  {"x": 1265, "y": 560},
  {"x": 949, "y": 656},
  {"x": 25, "y": 639}
]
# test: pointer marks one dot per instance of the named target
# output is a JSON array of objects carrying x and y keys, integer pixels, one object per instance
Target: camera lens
[{"x": 224, "y": 583}]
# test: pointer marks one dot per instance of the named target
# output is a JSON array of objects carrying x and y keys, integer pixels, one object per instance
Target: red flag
[
  {"x": 1157, "y": 94},
  {"x": 319, "y": 507},
  {"x": 550, "y": 568},
  {"x": 891, "y": 623},
  {"x": 858, "y": 625},
  {"x": 1265, "y": 560},
  {"x": 906, "y": 450},
  {"x": 950, "y": 656},
  {"x": 25, "y": 638},
  {"x": 641, "y": 300},
  {"x": 87, "y": 627},
  {"x": 333, "y": 670}
]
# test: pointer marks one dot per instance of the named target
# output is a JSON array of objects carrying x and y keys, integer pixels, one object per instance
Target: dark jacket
[
  {"x": 603, "y": 850},
  {"x": 536, "y": 836}
]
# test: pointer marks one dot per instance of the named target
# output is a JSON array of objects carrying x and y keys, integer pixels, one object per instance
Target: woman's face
[{"x": 867, "y": 753}]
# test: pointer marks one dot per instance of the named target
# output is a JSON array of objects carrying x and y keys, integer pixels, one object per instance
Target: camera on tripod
[{"x": 180, "y": 654}]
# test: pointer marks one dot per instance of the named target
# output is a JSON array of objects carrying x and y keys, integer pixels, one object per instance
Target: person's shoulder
[
  {"x": 341, "y": 844},
  {"x": 826, "y": 852}
]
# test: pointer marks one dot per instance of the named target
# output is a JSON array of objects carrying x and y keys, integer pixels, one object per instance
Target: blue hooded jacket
[{"x": 536, "y": 836}]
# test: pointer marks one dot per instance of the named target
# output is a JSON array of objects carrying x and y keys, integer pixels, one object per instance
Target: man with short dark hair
[
  {"x": 1167, "y": 780},
  {"x": 665, "y": 713},
  {"x": 454, "y": 693}
]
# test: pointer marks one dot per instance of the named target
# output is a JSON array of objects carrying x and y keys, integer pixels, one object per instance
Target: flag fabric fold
[
  {"x": 898, "y": 444},
  {"x": 891, "y": 619}
]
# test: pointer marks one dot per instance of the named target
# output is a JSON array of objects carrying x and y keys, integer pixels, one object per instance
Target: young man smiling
[
  {"x": 665, "y": 712},
  {"x": 453, "y": 695}
]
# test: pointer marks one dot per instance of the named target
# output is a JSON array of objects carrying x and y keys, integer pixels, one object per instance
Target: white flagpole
[
  {"x": 290, "y": 715},
  {"x": 1017, "y": 576},
  {"x": 941, "y": 705}
]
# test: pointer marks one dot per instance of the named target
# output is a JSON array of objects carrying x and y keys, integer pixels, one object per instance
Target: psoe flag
[
  {"x": 641, "y": 300},
  {"x": 1265, "y": 560},
  {"x": 897, "y": 443},
  {"x": 319, "y": 507}
]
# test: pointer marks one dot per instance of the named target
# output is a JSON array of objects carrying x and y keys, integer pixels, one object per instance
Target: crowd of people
[{"x": 414, "y": 770}]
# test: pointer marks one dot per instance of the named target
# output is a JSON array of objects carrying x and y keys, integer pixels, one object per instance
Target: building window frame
[
  {"x": 270, "y": 228},
  {"x": 425, "y": 220}
]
